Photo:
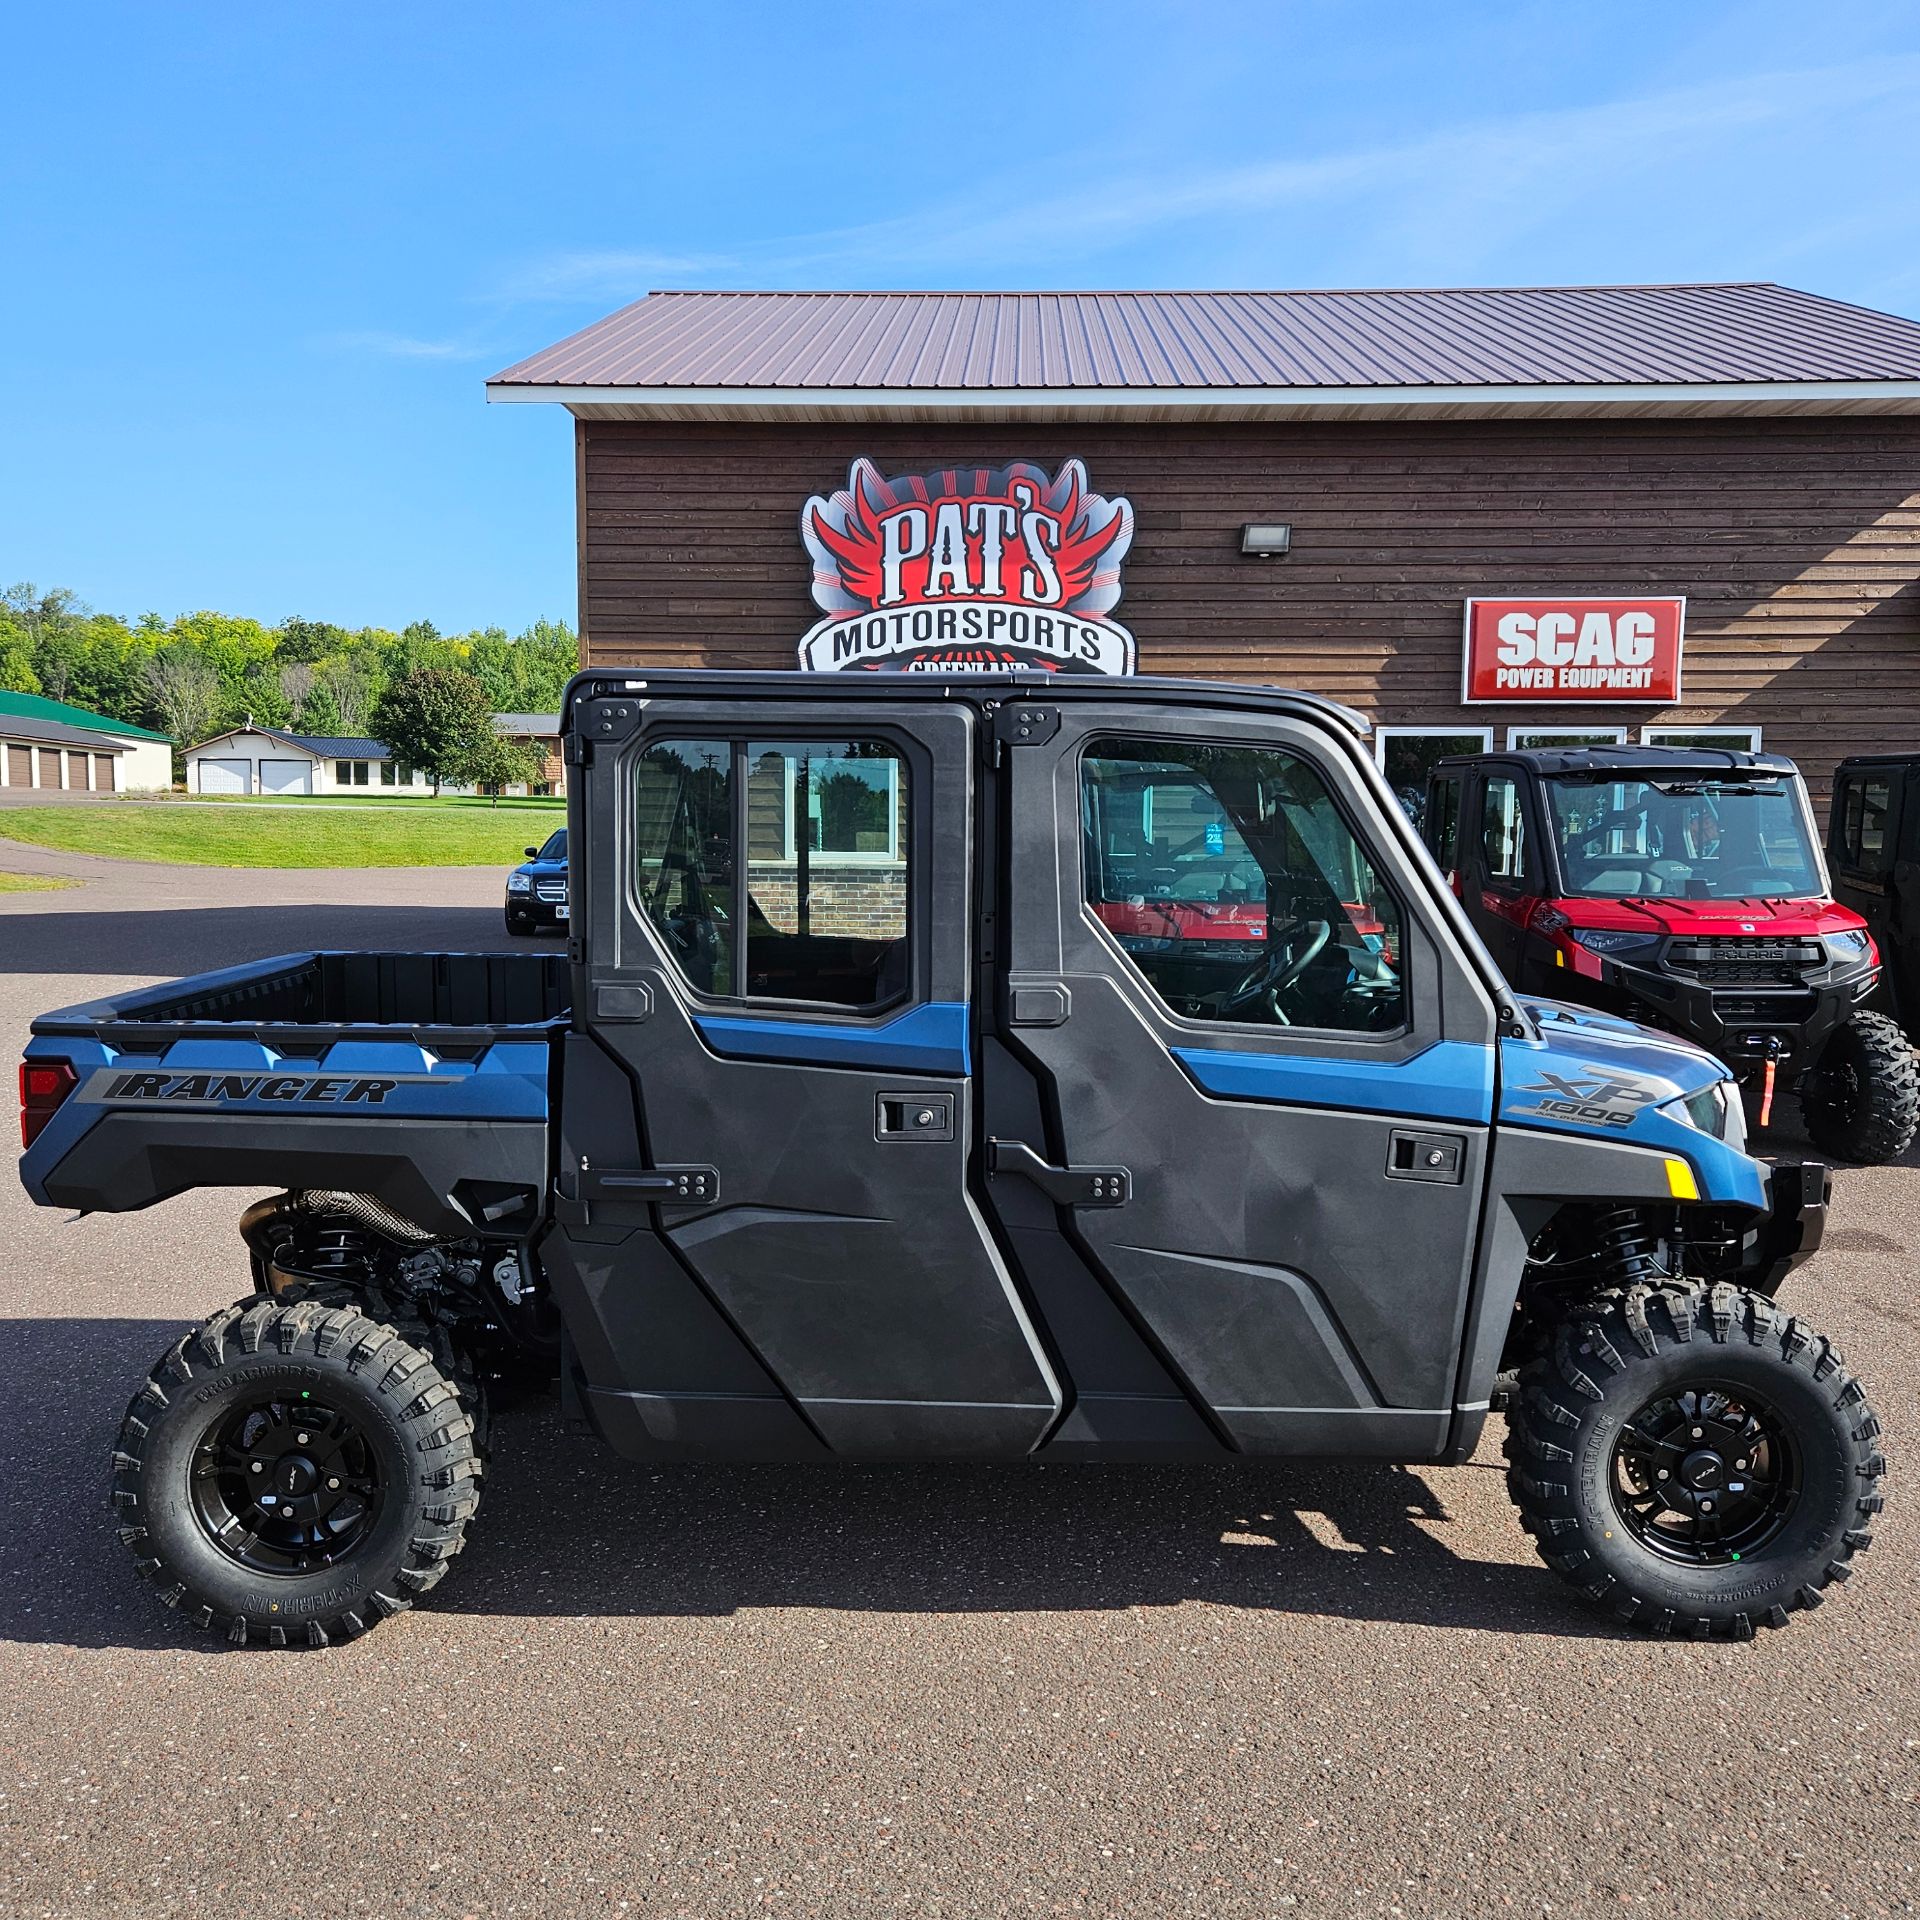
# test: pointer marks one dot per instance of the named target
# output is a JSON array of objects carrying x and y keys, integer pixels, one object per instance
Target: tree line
[{"x": 201, "y": 673}]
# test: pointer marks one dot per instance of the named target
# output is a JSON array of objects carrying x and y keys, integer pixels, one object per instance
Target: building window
[
  {"x": 1406, "y": 756},
  {"x": 1234, "y": 885},
  {"x": 388, "y": 773},
  {"x": 817, "y": 909},
  {"x": 1727, "y": 739},
  {"x": 1523, "y": 738},
  {"x": 342, "y": 773}
]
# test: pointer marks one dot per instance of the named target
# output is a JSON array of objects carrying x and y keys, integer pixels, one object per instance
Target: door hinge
[
  {"x": 1064, "y": 1186},
  {"x": 1021, "y": 723},
  {"x": 662, "y": 1186}
]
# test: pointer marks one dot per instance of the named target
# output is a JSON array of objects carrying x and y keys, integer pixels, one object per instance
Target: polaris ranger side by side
[
  {"x": 1682, "y": 886},
  {"x": 957, "y": 1068}
]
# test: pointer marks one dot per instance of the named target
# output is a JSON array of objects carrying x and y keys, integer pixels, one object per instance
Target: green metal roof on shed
[{"x": 34, "y": 706}]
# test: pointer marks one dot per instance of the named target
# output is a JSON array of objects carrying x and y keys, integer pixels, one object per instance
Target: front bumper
[
  {"x": 531, "y": 911},
  {"x": 1742, "y": 1025},
  {"x": 1796, "y": 1223}
]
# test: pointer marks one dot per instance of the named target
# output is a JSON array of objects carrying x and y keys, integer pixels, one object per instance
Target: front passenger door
[{"x": 1273, "y": 1079}]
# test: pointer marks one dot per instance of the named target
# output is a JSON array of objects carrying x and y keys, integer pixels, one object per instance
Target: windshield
[
  {"x": 556, "y": 847},
  {"x": 1692, "y": 839}
]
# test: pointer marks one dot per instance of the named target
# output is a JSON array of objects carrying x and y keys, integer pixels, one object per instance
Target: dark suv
[{"x": 537, "y": 900}]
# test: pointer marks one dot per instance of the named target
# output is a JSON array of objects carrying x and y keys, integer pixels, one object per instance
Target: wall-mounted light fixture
[{"x": 1265, "y": 542}]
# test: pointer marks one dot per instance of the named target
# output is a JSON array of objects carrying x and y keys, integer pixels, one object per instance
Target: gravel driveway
[{"x": 1113, "y": 1691}]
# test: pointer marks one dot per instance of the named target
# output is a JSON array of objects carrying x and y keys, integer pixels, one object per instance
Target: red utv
[{"x": 1683, "y": 887}]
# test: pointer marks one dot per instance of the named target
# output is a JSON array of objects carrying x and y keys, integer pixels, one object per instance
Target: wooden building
[{"x": 1748, "y": 450}]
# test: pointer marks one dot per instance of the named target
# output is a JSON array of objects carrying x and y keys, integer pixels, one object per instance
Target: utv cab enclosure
[
  {"x": 1683, "y": 887},
  {"x": 973, "y": 1068},
  {"x": 1873, "y": 847}
]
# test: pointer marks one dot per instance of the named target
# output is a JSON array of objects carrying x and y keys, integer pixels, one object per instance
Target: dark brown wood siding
[{"x": 1796, "y": 542}]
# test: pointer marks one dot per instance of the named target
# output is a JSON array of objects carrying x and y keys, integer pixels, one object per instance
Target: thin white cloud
[
  {"x": 607, "y": 273},
  {"x": 1474, "y": 184},
  {"x": 399, "y": 346}
]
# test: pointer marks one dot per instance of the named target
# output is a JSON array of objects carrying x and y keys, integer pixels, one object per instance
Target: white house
[
  {"x": 264, "y": 760},
  {"x": 256, "y": 759}
]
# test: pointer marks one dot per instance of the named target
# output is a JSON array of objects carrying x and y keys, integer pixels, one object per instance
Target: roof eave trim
[{"x": 762, "y": 400}]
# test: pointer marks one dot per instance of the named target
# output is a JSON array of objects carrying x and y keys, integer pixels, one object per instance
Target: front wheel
[
  {"x": 1693, "y": 1459},
  {"x": 1862, "y": 1101},
  {"x": 291, "y": 1475}
]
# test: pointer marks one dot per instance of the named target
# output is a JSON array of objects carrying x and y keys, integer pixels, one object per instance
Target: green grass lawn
[
  {"x": 373, "y": 796},
  {"x": 453, "y": 835},
  {"x": 31, "y": 882}
]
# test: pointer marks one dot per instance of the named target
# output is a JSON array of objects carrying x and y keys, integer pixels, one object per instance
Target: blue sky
[{"x": 260, "y": 260}]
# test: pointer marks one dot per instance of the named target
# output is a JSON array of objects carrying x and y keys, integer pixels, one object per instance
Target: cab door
[
  {"x": 1238, "y": 1106},
  {"x": 1870, "y": 822},
  {"x": 1500, "y": 867},
  {"x": 767, "y": 1239}
]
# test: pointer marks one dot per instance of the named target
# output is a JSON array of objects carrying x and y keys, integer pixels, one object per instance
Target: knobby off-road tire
[
  {"x": 1865, "y": 1102},
  {"x": 1630, "y": 1365},
  {"x": 281, "y": 1384}
]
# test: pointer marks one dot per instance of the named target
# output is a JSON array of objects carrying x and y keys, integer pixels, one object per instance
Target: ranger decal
[{"x": 228, "y": 1089}]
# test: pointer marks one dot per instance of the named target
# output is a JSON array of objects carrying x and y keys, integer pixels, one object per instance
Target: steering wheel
[{"x": 1279, "y": 967}]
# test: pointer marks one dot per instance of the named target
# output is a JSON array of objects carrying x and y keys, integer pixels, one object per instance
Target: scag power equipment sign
[
  {"x": 971, "y": 568},
  {"x": 1574, "y": 650}
]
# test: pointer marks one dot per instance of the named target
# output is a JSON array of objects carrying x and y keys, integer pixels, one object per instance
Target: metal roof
[
  {"x": 727, "y": 349},
  {"x": 34, "y": 706},
  {"x": 55, "y": 733},
  {"x": 323, "y": 746}
]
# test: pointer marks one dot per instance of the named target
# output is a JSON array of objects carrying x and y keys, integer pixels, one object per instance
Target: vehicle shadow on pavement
[
  {"x": 568, "y": 1529},
  {"x": 181, "y": 939}
]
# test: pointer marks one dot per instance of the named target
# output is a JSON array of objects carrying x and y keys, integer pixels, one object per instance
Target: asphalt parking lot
[{"x": 1283, "y": 1691}]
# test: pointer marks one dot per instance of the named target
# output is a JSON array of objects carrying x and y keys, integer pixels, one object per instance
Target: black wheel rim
[
  {"x": 1706, "y": 1476},
  {"x": 287, "y": 1485}
]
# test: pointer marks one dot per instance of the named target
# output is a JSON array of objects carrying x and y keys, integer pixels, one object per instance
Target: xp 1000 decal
[{"x": 979, "y": 568}]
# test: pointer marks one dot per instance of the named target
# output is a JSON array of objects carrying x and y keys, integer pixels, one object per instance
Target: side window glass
[
  {"x": 826, "y": 871},
  {"x": 1443, "y": 824},
  {"x": 683, "y": 855},
  {"x": 1236, "y": 888},
  {"x": 1863, "y": 833},
  {"x": 818, "y": 910},
  {"x": 1503, "y": 830}
]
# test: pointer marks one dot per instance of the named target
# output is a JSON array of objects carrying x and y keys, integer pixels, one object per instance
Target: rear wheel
[
  {"x": 1693, "y": 1459},
  {"x": 1862, "y": 1101},
  {"x": 292, "y": 1474}
]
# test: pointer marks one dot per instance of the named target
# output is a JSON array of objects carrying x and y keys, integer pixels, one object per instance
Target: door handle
[{"x": 1064, "y": 1186}]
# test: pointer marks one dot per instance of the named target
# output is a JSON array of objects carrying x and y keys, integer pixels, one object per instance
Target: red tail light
[{"x": 43, "y": 1085}]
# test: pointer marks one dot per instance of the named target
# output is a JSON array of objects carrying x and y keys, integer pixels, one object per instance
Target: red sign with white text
[{"x": 1561, "y": 650}]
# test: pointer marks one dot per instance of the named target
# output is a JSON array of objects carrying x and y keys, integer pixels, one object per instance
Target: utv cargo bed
[{"x": 429, "y": 1073}]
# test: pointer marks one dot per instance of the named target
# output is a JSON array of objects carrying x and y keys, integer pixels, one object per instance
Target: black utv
[
  {"x": 974, "y": 1068},
  {"x": 1873, "y": 847}
]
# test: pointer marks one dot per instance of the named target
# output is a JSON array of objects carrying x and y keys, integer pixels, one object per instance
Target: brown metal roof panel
[{"x": 1411, "y": 337}]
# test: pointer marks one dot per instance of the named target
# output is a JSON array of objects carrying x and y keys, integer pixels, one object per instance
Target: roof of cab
[
  {"x": 1013, "y": 684},
  {"x": 1601, "y": 762}
]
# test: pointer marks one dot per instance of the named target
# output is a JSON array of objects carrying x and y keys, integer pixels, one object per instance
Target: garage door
[
  {"x": 19, "y": 766},
  {"x": 103, "y": 781},
  {"x": 286, "y": 776},
  {"x": 79, "y": 770},
  {"x": 223, "y": 776}
]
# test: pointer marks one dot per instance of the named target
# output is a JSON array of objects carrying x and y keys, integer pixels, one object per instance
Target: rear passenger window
[
  {"x": 1864, "y": 804},
  {"x": 1233, "y": 883},
  {"x": 815, "y": 906},
  {"x": 1503, "y": 830},
  {"x": 1443, "y": 824}
]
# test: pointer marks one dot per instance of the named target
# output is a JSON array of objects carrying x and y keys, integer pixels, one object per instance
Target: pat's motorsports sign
[
  {"x": 969, "y": 568},
  {"x": 1580, "y": 649}
]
